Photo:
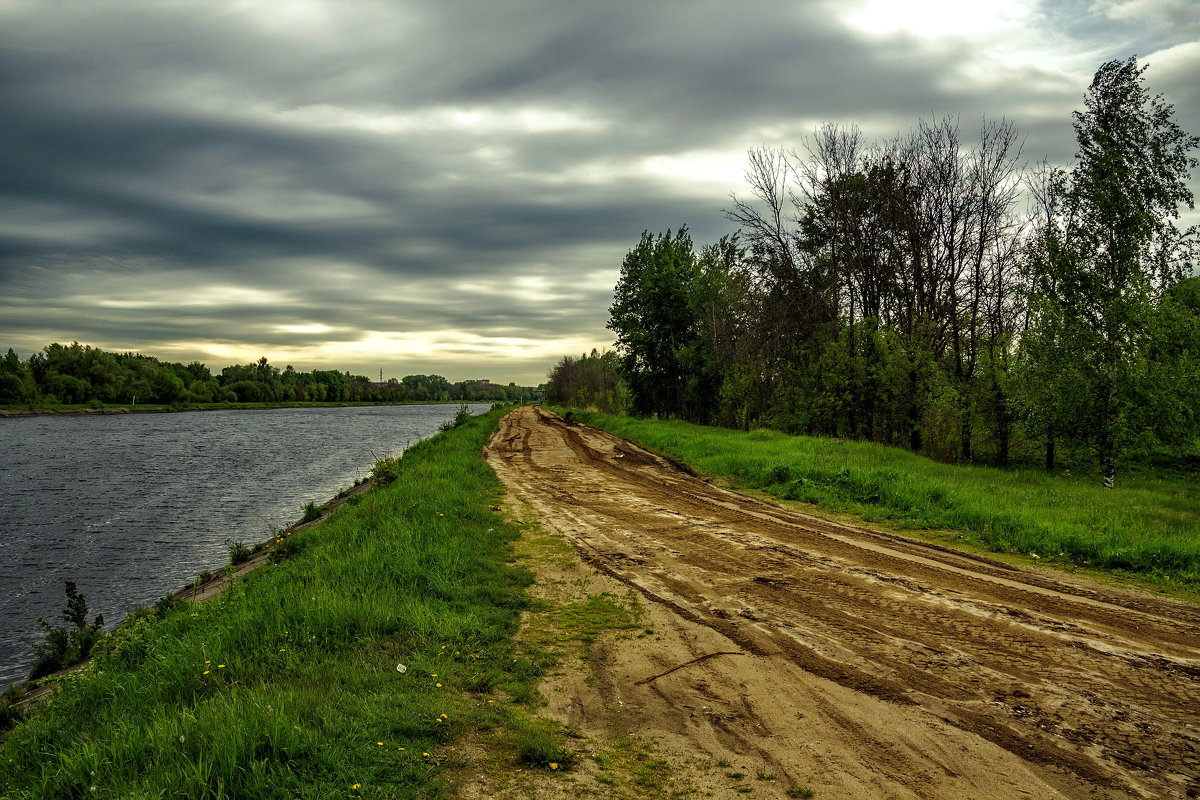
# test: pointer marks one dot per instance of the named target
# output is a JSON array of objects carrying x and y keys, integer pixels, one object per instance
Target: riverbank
[
  {"x": 149, "y": 408},
  {"x": 343, "y": 667}
]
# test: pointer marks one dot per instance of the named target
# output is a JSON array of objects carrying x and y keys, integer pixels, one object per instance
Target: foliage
[
  {"x": 61, "y": 646},
  {"x": 80, "y": 374},
  {"x": 311, "y": 512},
  {"x": 386, "y": 470},
  {"x": 591, "y": 381},
  {"x": 895, "y": 292},
  {"x": 1105, "y": 252},
  {"x": 653, "y": 320},
  {"x": 461, "y": 415},
  {"x": 239, "y": 553}
]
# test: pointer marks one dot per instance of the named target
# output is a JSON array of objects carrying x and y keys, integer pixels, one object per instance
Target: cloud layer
[{"x": 450, "y": 186}]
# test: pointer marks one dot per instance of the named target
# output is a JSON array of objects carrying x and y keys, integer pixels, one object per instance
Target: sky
[{"x": 450, "y": 186}]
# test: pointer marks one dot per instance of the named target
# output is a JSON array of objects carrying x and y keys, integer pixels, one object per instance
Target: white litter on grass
[{"x": 401, "y": 668}]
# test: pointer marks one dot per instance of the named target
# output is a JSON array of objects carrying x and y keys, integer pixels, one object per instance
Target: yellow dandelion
[
  {"x": 356, "y": 786},
  {"x": 553, "y": 765},
  {"x": 399, "y": 748},
  {"x": 424, "y": 754},
  {"x": 438, "y": 685},
  {"x": 207, "y": 662},
  {"x": 444, "y": 716},
  {"x": 433, "y": 674},
  {"x": 379, "y": 743},
  {"x": 207, "y": 671},
  {"x": 220, "y": 666}
]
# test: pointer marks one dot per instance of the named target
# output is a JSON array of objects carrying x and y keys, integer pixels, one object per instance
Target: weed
[
  {"x": 238, "y": 553},
  {"x": 385, "y": 471},
  {"x": 723, "y": 763},
  {"x": 540, "y": 748},
  {"x": 311, "y": 512},
  {"x": 461, "y": 416},
  {"x": 764, "y": 776},
  {"x": 287, "y": 548},
  {"x": 63, "y": 647},
  {"x": 799, "y": 791},
  {"x": 10, "y": 714}
]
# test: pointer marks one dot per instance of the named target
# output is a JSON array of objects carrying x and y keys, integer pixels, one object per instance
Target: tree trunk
[
  {"x": 1050, "y": 450},
  {"x": 964, "y": 430}
]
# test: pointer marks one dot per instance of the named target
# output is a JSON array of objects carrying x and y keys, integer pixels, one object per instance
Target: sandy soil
[{"x": 790, "y": 651}]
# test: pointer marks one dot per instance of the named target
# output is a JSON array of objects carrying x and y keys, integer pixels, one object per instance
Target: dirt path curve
[{"x": 868, "y": 664}]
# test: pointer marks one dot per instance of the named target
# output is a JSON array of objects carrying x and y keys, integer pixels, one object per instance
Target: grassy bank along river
[
  {"x": 1147, "y": 528},
  {"x": 341, "y": 669}
]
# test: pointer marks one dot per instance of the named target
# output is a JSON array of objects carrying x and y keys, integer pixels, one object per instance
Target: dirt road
[{"x": 858, "y": 663}]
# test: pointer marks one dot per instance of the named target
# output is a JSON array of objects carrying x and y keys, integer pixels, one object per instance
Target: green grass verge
[
  {"x": 1148, "y": 527},
  {"x": 287, "y": 686}
]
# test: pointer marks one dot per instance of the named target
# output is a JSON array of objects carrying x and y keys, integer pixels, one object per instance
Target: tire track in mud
[{"x": 1093, "y": 687}]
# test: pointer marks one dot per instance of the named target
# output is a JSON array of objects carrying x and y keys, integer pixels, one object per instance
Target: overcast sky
[{"x": 450, "y": 185}]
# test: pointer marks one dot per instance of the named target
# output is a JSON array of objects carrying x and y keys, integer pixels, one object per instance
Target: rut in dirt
[{"x": 1092, "y": 682}]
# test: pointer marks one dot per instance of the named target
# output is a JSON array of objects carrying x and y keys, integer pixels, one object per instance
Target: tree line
[
  {"x": 937, "y": 294},
  {"x": 76, "y": 373}
]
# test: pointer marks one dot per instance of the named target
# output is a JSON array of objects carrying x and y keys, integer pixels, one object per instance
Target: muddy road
[{"x": 860, "y": 663}]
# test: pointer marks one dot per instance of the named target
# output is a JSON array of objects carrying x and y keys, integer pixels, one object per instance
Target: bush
[
  {"x": 311, "y": 512},
  {"x": 63, "y": 647},
  {"x": 460, "y": 416}
]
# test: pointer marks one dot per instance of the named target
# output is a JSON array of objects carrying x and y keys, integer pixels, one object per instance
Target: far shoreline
[{"x": 159, "y": 408}]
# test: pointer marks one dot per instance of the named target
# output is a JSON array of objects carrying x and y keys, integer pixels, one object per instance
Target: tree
[
  {"x": 654, "y": 321},
  {"x": 589, "y": 380},
  {"x": 1107, "y": 250}
]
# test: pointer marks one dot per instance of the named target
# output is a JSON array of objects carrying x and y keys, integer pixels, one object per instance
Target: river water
[{"x": 133, "y": 506}]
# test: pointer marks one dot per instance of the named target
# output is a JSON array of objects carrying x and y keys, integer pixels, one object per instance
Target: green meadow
[
  {"x": 290, "y": 684},
  {"x": 1148, "y": 527}
]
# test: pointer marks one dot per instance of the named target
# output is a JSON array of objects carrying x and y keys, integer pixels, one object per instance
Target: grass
[
  {"x": 289, "y": 684},
  {"x": 1147, "y": 528}
]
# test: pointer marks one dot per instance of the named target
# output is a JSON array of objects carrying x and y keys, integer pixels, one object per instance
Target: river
[{"x": 133, "y": 506}]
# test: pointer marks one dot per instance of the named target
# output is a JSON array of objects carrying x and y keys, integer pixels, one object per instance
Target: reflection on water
[{"x": 132, "y": 507}]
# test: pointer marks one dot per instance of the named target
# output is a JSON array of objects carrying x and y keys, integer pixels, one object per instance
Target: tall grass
[
  {"x": 1148, "y": 527},
  {"x": 287, "y": 686}
]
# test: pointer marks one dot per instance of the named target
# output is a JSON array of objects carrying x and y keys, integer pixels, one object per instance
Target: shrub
[
  {"x": 311, "y": 512},
  {"x": 385, "y": 471},
  {"x": 63, "y": 647},
  {"x": 460, "y": 416},
  {"x": 541, "y": 748}
]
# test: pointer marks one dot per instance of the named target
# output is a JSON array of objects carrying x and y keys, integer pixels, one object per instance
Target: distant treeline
[
  {"x": 899, "y": 292},
  {"x": 76, "y": 373}
]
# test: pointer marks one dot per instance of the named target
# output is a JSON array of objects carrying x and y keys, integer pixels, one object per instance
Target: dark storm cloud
[{"x": 321, "y": 173}]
